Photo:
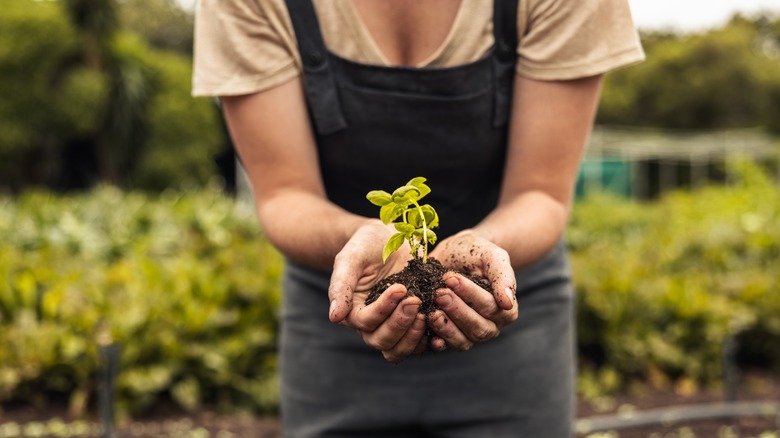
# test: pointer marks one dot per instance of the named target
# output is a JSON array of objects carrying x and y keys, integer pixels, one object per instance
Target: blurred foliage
[
  {"x": 85, "y": 101},
  {"x": 189, "y": 287},
  {"x": 185, "y": 283},
  {"x": 722, "y": 78},
  {"x": 184, "y": 133},
  {"x": 36, "y": 44},
  {"x": 663, "y": 285},
  {"x": 99, "y": 91},
  {"x": 161, "y": 23}
]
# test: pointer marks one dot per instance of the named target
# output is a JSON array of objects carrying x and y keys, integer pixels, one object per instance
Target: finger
[
  {"x": 409, "y": 342},
  {"x": 480, "y": 300},
  {"x": 393, "y": 328},
  {"x": 340, "y": 301},
  {"x": 502, "y": 278},
  {"x": 342, "y": 287},
  {"x": 438, "y": 344},
  {"x": 368, "y": 318},
  {"x": 448, "y": 331},
  {"x": 473, "y": 325}
]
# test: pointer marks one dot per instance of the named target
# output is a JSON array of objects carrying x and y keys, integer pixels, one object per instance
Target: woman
[{"x": 493, "y": 104}]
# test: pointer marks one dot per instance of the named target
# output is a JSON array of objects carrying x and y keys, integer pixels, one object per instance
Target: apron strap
[
  {"x": 504, "y": 57},
  {"x": 320, "y": 84}
]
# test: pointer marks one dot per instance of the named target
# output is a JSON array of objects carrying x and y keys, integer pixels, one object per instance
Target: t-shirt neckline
[{"x": 375, "y": 52}]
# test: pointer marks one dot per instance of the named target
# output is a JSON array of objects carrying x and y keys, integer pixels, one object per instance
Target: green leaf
[
  {"x": 415, "y": 252},
  {"x": 432, "y": 237},
  {"x": 414, "y": 218},
  {"x": 405, "y": 194},
  {"x": 431, "y": 217},
  {"x": 379, "y": 197},
  {"x": 187, "y": 393},
  {"x": 390, "y": 212},
  {"x": 419, "y": 182},
  {"x": 404, "y": 228},
  {"x": 395, "y": 242}
]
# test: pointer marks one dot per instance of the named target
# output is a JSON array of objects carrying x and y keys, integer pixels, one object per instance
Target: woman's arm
[
  {"x": 549, "y": 127},
  {"x": 271, "y": 131},
  {"x": 273, "y": 137}
]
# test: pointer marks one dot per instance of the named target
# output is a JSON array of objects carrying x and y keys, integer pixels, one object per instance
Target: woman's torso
[
  {"x": 380, "y": 126},
  {"x": 246, "y": 46}
]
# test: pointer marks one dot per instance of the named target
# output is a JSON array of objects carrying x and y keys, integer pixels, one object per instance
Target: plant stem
[{"x": 425, "y": 231}]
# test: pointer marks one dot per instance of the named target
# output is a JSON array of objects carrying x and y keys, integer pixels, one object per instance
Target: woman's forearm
[
  {"x": 307, "y": 228},
  {"x": 527, "y": 227},
  {"x": 550, "y": 125},
  {"x": 272, "y": 134}
]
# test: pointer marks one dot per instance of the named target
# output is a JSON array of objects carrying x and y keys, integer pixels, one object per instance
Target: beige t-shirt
[{"x": 246, "y": 46}]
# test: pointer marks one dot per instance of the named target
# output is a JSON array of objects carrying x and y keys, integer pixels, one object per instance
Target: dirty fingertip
[
  {"x": 452, "y": 281},
  {"x": 438, "y": 344},
  {"x": 339, "y": 308},
  {"x": 333, "y": 312},
  {"x": 506, "y": 300}
]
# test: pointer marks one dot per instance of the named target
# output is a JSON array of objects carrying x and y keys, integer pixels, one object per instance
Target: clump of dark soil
[{"x": 422, "y": 280}]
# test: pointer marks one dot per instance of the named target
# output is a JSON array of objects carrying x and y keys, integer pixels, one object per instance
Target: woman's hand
[
  {"x": 468, "y": 313},
  {"x": 391, "y": 324}
]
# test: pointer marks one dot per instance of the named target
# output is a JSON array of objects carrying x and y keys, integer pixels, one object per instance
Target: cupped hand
[
  {"x": 391, "y": 324},
  {"x": 468, "y": 313}
]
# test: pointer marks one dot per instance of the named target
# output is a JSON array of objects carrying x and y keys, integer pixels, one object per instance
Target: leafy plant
[
  {"x": 663, "y": 285},
  {"x": 416, "y": 220},
  {"x": 185, "y": 282},
  {"x": 190, "y": 287}
]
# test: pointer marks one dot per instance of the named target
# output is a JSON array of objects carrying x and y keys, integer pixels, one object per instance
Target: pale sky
[
  {"x": 694, "y": 15},
  {"x": 680, "y": 15}
]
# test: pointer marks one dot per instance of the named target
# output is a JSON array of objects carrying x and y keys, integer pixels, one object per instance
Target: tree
[
  {"x": 41, "y": 83},
  {"x": 162, "y": 23},
  {"x": 718, "y": 79},
  {"x": 84, "y": 102},
  {"x": 122, "y": 129}
]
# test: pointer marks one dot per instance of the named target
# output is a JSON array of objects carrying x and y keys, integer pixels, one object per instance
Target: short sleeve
[
  {"x": 242, "y": 47},
  {"x": 568, "y": 39}
]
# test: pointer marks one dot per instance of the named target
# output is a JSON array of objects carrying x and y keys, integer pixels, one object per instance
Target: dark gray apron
[{"x": 376, "y": 128}]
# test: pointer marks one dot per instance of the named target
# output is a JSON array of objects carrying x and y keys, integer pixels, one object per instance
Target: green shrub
[
  {"x": 185, "y": 283},
  {"x": 662, "y": 286}
]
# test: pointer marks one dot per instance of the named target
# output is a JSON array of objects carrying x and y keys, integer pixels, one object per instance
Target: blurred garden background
[{"x": 121, "y": 223}]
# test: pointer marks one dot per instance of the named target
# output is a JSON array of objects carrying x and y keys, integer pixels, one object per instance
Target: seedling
[{"x": 416, "y": 220}]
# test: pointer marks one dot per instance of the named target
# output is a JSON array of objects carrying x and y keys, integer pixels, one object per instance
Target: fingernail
[
  {"x": 444, "y": 300},
  {"x": 410, "y": 309},
  {"x": 452, "y": 282},
  {"x": 510, "y": 294},
  {"x": 332, "y": 307}
]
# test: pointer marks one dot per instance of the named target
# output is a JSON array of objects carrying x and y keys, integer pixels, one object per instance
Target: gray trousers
[{"x": 520, "y": 384}]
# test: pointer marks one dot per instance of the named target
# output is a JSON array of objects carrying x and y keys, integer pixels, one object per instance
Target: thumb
[
  {"x": 340, "y": 295},
  {"x": 342, "y": 287},
  {"x": 503, "y": 280},
  {"x": 505, "y": 297}
]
